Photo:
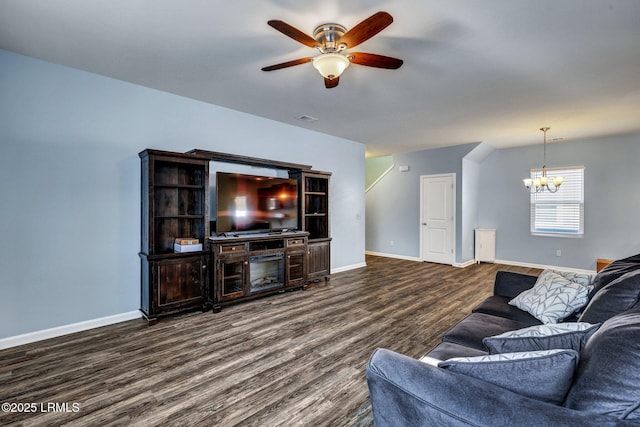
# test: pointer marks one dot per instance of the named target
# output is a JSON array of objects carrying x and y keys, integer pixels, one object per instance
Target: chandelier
[{"x": 551, "y": 184}]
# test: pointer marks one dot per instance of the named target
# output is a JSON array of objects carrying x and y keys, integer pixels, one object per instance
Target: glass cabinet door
[
  {"x": 296, "y": 268},
  {"x": 231, "y": 276}
]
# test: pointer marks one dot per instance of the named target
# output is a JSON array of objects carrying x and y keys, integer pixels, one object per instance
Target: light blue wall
[
  {"x": 612, "y": 201},
  {"x": 393, "y": 205},
  {"x": 491, "y": 195},
  {"x": 70, "y": 217},
  {"x": 472, "y": 190},
  {"x": 469, "y": 207}
]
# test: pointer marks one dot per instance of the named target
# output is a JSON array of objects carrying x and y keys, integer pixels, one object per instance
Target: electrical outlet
[
  {"x": 558, "y": 252},
  {"x": 392, "y": 243}
]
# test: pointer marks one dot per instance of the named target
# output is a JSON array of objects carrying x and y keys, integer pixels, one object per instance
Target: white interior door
[{"x": 437, "y": 224}]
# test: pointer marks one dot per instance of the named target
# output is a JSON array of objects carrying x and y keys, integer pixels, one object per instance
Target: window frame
[{"x": 574, "y": 177}]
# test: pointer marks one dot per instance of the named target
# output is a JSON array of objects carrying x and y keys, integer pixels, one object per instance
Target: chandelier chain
[{"x": 540, "y": 184}]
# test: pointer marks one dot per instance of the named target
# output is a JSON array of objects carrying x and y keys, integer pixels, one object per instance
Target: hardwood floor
[{"x": 291, "y": 359}]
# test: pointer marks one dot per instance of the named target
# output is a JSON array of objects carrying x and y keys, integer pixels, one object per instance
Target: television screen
[{"x": 255, "y": 203}]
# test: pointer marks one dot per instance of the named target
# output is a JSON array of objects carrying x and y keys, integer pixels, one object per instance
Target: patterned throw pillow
[
  {"x": 542, "y": 375},
  {"x": 570, "y": 335},
  {"x": 552, "y": 298},
  {"x": 583, "y": 279}
]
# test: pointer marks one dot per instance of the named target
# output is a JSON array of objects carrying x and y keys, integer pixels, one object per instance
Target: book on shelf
[
  {"x": 186, "y": 241},
  {"x": 187, "y": 244}
]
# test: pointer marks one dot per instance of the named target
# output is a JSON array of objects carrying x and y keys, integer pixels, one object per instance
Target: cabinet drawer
[
  {"x": 231, "y": 249},
  {"x": 295, "y": 242}
]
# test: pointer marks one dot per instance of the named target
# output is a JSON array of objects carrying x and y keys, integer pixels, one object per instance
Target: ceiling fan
[{"x": 332, "y": 41}]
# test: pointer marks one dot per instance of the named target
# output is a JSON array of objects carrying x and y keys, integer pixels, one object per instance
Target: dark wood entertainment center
[
  {"x": 251, "y": 265},
  {"x": 229, "y": 268}
]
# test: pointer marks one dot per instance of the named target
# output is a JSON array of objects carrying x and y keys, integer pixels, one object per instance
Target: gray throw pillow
[
  {"x": 607, "y": 380},
  {"x": 618, "y": 296},
  {"x": 552, "y": 298},
  {"x": 570, "y": 335},
  {"x": 542, "y": 375}
]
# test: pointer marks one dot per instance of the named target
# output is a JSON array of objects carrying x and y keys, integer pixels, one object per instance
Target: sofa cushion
[
  {"x": 407, "y": 392},
  {"x": 552, "y": 298},
  {"x": 570, "y": 335},
  {"x": 544, "y": 375},
  {"x": 618, "y": 296},
  {"x": 614, "y": 270},
  {"x": 608, "y": 377},
  {"x": 497, "y": 305},
  {"x": 510, "y": 284},
  {"x": 472, "y": 329},
  {"x": 448, "y": 350}
]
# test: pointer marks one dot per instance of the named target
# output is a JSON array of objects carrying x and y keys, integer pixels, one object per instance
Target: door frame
[{"x": 453, "y": 212}]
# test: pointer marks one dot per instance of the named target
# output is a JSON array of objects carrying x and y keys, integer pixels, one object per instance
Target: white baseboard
[
  {"x": 67, "y": 329},
  {"x": 497, "y": 261},
  {"x": 416, "y": 259},
  {"x": 543, "y": 267},
  {"x": 464, "y": 264},
  {"x": 408, "y": 258},
  {"x": 348, "y": 267}
]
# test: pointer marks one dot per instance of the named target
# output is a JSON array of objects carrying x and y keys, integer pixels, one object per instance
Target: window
[{"x": 560, "y": 213}]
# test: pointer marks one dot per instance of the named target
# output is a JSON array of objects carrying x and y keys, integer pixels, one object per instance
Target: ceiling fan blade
[
  {"x": 331, "y": 83},
  {"x": 373, "y": 60},
  {"x": 366, "y": 29},
  {"x": 288, "y": 64},
  {"x": 294, "y": 33}
]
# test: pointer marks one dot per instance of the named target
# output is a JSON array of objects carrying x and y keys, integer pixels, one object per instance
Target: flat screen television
[{"x": 250, "y": 203}]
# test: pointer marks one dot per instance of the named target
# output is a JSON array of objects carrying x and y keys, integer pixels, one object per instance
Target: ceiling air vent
[{"x": 306, "y": 118}]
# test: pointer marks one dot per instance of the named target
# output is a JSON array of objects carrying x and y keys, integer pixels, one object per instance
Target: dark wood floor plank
[{"x": 296, "y": 358}]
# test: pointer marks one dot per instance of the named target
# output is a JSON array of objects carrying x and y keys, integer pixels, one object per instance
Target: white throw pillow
[
  {"x": 570, "y": 335},
  {"x": 546, "y": 330},
  {"x": 552, "y": 298},
  {"x": 583, "y": 279}
]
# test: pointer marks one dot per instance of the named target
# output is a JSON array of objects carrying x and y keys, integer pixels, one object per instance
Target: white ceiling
[{"x": 474, "y": 70}]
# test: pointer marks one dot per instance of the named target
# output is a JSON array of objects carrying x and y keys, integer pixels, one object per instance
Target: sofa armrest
[
  {"x": 510, "y": 284},
  {"x": 407, "y": 392}
]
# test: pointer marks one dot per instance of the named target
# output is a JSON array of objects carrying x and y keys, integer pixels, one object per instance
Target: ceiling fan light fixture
[
  {"x": 332, "y": 42},
  {"x": 330, "y": 65}
]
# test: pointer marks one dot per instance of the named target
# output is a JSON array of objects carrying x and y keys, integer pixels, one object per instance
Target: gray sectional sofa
[{"x": 504, "y": 366}]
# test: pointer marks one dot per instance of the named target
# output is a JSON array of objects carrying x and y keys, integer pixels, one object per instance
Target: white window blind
[{"x": 562, "y": 212}]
